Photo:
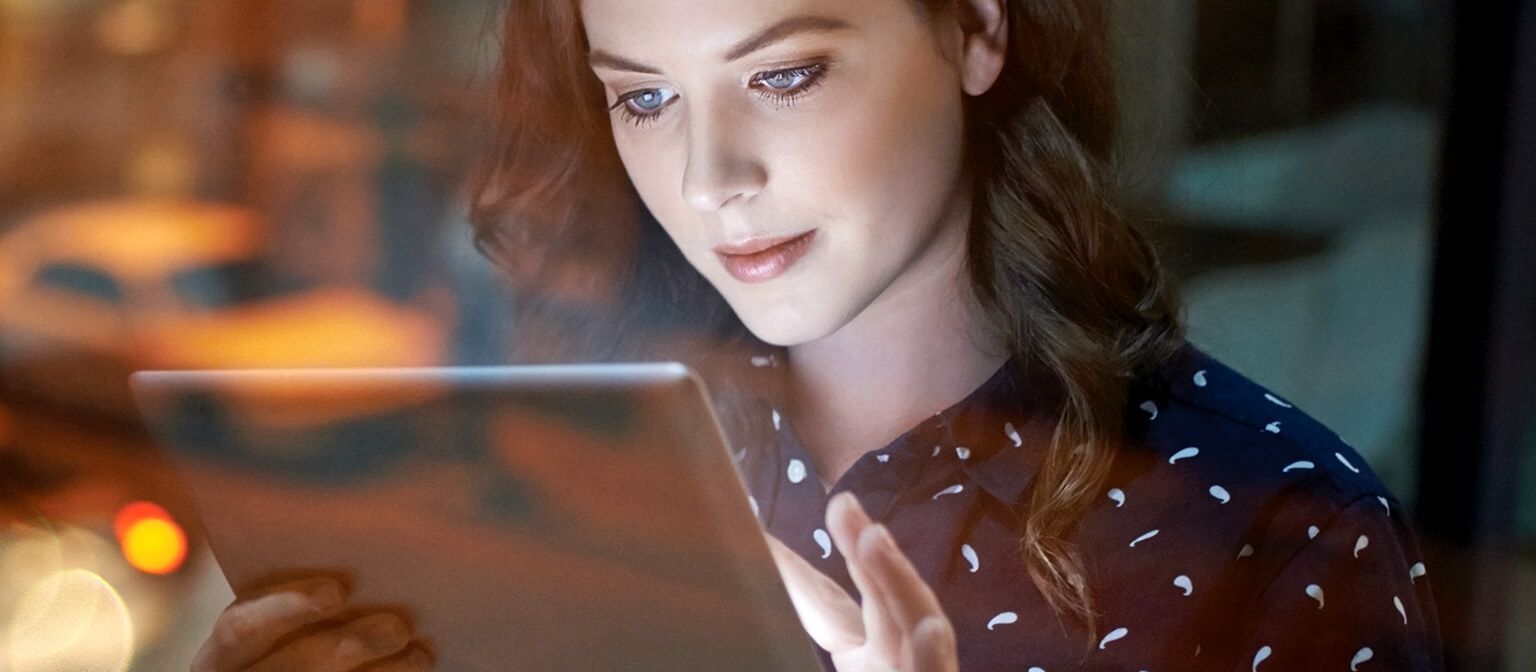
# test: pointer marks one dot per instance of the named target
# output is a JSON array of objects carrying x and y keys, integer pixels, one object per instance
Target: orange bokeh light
[{"x": 151, "y": 540}]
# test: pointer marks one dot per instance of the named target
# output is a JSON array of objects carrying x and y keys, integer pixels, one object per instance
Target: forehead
[{"x": 653, "y": 29}]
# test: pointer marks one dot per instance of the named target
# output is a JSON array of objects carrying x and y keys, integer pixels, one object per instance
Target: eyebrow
[
  {"x": 782, "y": 30},
  {"x": 760, "y": 40},
  {"x": 598, "y": 58}
]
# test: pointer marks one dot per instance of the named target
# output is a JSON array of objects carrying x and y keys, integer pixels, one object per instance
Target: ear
[{"x": 984, "y": 46}]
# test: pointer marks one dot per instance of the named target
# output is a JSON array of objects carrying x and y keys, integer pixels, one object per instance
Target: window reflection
[{"x": 1282, "y": 154}]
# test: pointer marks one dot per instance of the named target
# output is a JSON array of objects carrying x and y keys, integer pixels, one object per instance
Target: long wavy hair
[{"x": 1074, "y": 289}]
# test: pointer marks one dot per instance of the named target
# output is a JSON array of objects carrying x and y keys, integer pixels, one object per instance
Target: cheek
[
  {"x": 890, "y": 152},
  {"x": 655, "y": 169},
  {"x": 644, "y": 162}
]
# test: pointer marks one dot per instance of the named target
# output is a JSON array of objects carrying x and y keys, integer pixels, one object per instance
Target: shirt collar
[
  {"x": 1006, "y": 426},
  {"x": 1002, "y": 429}
]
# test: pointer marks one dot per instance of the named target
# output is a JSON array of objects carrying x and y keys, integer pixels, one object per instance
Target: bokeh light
[
  {"x": 151, "y": 540},
  {"x": 70, "y": 620}
]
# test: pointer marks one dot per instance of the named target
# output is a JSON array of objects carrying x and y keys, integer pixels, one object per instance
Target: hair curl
[{"x": 1073, "y": 289}]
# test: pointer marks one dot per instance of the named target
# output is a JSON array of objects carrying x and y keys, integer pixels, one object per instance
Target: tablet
[{"x": 584, "y": 517}]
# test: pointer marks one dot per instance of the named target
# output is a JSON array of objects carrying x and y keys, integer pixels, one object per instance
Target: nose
[{"x": 723, "y": 166}]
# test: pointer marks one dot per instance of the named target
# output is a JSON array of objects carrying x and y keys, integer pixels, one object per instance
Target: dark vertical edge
[{"x": 1479, "y": 365}]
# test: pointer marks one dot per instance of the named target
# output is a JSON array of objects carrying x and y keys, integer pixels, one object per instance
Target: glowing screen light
[{"x": 151, "y": 540}]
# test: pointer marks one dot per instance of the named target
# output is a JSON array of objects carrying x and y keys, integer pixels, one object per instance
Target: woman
[{"x": 969, "y": 420}]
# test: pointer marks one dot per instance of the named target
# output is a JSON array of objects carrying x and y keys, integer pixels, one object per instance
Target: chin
[{"x": 786, "y": 326}]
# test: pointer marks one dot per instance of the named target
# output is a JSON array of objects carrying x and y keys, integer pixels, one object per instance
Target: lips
[{"x": 763, "y": 259}]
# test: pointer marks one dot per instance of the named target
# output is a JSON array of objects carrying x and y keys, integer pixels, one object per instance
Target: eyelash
[{"x": 812, "y": 73}]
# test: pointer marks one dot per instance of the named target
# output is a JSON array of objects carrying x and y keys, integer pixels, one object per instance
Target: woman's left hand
[{"x": 900, "y": 625}]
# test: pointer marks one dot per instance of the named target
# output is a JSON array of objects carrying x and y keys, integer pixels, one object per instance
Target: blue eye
[
  {"x": 783, "y": 80},
  {"x": 649, "y": 100},
  {"x": 643, "y": 106},
  {"x": 784, "y": 87}
]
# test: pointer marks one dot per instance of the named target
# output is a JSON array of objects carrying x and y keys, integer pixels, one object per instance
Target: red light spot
[{"x": 151, "y": 540}]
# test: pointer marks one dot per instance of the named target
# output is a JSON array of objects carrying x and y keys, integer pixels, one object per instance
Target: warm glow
[
  {"x": 383, "y": 20},
  {"x": 69, "y": 620},
  {"x": 134, "y": 512},
  {"x": 151, "y": 541}
]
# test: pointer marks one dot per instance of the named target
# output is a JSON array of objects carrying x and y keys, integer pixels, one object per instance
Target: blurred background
[{"x": 257, "y": 183}]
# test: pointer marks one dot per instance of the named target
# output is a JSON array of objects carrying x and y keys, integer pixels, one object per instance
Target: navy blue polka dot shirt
[{"x": 1234, "y": 532}]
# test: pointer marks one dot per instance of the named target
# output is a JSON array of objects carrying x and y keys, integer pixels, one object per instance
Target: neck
[{"x": 917, "y": 349}]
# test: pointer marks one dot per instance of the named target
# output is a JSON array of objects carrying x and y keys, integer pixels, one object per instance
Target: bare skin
[
  {"x": 307, "y": 625},
  {"x": 849, "y": 399},
  {"x": 877, "y": 318},
  {"x": 899, "y": 626},
  {"x": 846, "y": 126}
]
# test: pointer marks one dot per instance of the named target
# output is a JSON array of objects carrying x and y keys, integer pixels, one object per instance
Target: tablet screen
[{"x": 542, "y": 518}]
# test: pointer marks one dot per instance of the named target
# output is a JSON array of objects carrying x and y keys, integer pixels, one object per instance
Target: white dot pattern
[{"x": 1186, "y": 528}]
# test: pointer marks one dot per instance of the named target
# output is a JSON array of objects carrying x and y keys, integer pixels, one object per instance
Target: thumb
[{"x": 826, "y": 611}]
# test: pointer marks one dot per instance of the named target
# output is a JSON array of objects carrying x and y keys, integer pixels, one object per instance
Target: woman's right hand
[
  {"x": 307, "y": 625},
  {"x": 900, "y": 624}
]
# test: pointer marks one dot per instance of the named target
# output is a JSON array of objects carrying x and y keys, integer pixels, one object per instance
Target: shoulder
[
  {"x": 1255, "y": 504},
  {"x": 1233, "y": 429}
]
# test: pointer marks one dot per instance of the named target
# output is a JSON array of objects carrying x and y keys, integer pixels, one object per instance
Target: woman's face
[{"x": 805, "y": 155}]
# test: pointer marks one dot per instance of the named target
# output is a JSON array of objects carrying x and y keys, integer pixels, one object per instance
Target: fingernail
[
  {"x": 857, "y": 505},
  {"x": 850, "y": 501},
  {"x": 387, "y": 634},
  {"x": 327, "y": 594}
]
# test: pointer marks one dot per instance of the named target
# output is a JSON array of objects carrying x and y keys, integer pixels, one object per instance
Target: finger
[
  {"x": 931, "y": 648},
  {"x": 846, "y": 521},
  {"x": 412, "y": 659},
  {"x": 902, "y": 591},
  {"x": 249, "y": 628},
  {"x": 362, "y": 640},
  {"x": 828, "y": 614}
]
